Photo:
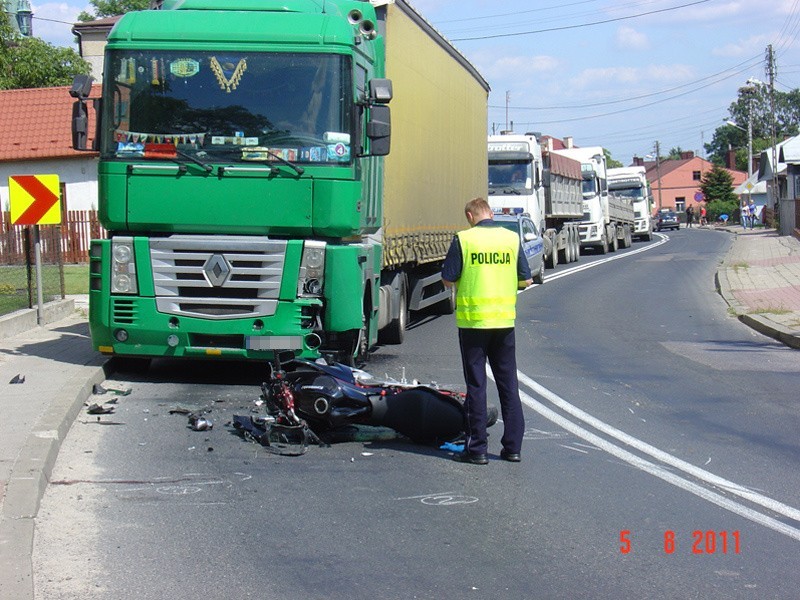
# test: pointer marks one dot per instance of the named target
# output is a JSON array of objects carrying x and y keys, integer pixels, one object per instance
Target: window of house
[
  {"x": 680, "y": 204},
  {"x": 697, "y": 175}
]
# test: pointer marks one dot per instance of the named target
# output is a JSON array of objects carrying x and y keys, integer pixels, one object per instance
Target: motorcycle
[{"x": 308, "y": 402}]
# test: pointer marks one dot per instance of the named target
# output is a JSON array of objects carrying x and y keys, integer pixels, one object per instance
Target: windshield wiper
[
  {"x": 207, "y": 167},
  {"x": 297, "y": 168}
]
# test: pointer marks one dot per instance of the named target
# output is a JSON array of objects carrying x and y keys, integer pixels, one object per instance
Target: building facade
[{"x": 676, "y": 182}]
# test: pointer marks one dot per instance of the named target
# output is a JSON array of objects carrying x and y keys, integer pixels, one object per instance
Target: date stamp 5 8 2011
[{"x": 703, "y": 542}]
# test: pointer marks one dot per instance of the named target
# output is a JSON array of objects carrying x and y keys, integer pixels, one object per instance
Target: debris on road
[{"x": 17, "y": 379}]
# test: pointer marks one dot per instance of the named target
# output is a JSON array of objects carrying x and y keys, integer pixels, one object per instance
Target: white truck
[
  {"x": 607, "y": 220},
  {"x": 631, "y": 183},
  {"x": 525, "y": 180}
]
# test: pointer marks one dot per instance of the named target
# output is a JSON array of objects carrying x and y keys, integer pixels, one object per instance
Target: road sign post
[{"x": 35, "y": 200}]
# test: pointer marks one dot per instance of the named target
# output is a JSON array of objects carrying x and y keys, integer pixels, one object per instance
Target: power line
[
  {"x": 570, "y": 120},
  {"x": 644, "y": 14},
  {"x": 757, "y": 59}
]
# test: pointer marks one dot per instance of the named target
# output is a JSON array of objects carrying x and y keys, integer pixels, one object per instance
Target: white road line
[
  {"x": 661, "y": 472},
  {"x": 660, "y": 455}
]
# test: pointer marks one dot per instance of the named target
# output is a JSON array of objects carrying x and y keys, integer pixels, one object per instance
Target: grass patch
[
  {"x": 740, "y": 265},
  {"x": 770, "y": 311},
  {"x": 76, "y": 279}
]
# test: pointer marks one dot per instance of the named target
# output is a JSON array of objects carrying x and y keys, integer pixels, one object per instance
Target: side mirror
[
  {"x": 80, "y": 125},
  {"x": 380, "y": 91},
  {"x": 546, "y": 178},
  {"x": 81, "y": 87},
  {"x": 379, "y": 130}
]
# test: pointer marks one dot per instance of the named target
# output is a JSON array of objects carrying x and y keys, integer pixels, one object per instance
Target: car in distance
[
  {"x": 667, "y": 220},
  {"x": 530, "y": 238}
]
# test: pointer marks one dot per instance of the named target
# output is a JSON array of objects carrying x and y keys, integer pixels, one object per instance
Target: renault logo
[{"x": 217, "y": 270}]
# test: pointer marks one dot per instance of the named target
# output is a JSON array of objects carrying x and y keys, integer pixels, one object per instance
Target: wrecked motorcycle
[{"x": 308, "y": 402}]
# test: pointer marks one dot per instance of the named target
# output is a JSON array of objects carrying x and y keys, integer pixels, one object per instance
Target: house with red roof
[
  {"x": 36, "y": 139},
  {"x": 676, "y": 182}
]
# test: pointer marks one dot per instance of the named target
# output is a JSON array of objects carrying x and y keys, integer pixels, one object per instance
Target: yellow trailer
[{"x": 438, "y": 161}]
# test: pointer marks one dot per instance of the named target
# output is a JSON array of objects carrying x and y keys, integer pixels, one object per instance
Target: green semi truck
[{"x": 257, "y": 192}]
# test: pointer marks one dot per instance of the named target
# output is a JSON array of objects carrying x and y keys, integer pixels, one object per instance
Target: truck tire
[
  {"x": 576, "y": 245},
  {"x": 614, "y": 245},
  {"x": 538, "y": 277},
  {"x": 604, "y": 245},
  {"x": 395, "y": 331},
  {"x": 354, "y": 347},
  {"x": 552, "y": 260},
  {"x": 447, "y": 307}
]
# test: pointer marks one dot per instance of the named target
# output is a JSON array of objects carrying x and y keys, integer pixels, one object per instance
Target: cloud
[
  {"x": 627, "y": 38},
  {"x": 53, "y": 22},
  {"x": 517, "y": 67},
  {"x": 611, "y": 77},
  {"x": 744, "y": 47}
]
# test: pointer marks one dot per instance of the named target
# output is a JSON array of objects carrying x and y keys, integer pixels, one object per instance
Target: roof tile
[{"x": 36, "y": 124}]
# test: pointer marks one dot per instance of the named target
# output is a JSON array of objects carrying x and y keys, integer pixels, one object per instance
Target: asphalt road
[{"x": 660, "y": 461}]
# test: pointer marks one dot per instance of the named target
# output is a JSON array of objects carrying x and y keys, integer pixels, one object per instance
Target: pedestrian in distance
[
  {"x": 751, "y": 208},
  {"x": 703, "y": 219},
  {"x": 487, "y": 266},
  {"x": 745, "y": 215},
  {"x": 689, "y": 215}
]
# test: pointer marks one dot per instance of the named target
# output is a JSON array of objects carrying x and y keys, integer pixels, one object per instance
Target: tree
[
  {"x": 112, "y": 8},
  {"x": 675, "y": 153},
  {"x": 33, "y": 63},
  {"x": 610, "y": 162},
  {"x": 756, "y": 98},
  {"x": 717, "y": 187}
]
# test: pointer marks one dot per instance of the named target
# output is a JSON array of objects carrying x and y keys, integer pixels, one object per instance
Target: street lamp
[{"x": 749, "y": 131}]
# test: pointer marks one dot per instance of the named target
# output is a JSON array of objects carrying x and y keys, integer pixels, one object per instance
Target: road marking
[{"x": 657, "y": 470}]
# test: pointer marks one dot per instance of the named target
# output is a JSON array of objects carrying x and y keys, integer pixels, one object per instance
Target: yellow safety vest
[{"x": 486, "y": 295}]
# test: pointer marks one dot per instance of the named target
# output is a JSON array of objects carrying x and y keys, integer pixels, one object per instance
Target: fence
[{"x": 67, "y": 243}]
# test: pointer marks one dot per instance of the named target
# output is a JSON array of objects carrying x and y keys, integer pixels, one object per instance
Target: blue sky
[{"x": 602, "y": 74}]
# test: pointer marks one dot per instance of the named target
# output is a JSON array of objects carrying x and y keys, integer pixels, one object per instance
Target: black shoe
[
  {"x": 510, "y": 456},
  {"x": 473, "y": 459}
]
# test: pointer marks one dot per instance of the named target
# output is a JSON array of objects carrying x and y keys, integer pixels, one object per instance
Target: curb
[
  {"x": 29, "y": 478},
  {"x": 759, "y": 323},
  {"x": 26, "y": 319}
]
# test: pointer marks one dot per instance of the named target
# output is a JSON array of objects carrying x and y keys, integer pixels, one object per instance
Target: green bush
[
  {"x": 715, "y": 208},
  {"x": 7, "y": 289}
]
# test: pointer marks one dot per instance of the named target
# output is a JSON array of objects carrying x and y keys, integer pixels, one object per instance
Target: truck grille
[{"x": 223, "y": 277}]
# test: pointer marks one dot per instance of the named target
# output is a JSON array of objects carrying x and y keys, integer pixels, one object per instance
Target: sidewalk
[
  {"x": 760, "y": 280},
  {"x": 59, "y": 369}
]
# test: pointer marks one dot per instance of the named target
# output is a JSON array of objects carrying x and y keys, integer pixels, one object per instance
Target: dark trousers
[{"x": 498, "y": 346}]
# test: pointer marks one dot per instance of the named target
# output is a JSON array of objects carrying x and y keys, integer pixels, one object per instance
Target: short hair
[{"x": 478, "y": 206}]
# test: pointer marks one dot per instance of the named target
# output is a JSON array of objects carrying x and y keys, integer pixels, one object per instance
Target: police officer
[{"x": 488, "y": 266}]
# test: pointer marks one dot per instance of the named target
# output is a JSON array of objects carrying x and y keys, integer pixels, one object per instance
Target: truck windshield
[
  {"x": 248, "y": 106},
  {"x": 510, "y": 177},
  {"x": 631, "y": 193}
]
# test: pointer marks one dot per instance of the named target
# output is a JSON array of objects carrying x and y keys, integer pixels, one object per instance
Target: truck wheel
[
  {"x": 354, "y": 348},
  {"x": 614, "y": 245},
  {"x": 538, "y": 277},
  {"x": 552, "y": 260},
  {"x": 448, "y": 306},
  {"x": 604, "y": 245},
  {"x": 576, "y": 245},
  {"x": 395, "y": 331}
]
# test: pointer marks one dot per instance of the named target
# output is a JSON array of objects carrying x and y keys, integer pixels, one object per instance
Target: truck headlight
[
  {"x": 123, "y": 266},
  {"x": 312, "y": 269}
]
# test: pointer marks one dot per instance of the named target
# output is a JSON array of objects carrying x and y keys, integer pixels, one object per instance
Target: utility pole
[
  {"x": 771, "y": 78},
  {"x": 508, "y": 96},
  {"x": 658, "y": 173}
]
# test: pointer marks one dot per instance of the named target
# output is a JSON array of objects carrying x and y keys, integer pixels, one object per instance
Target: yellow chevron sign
[{"x": 35, "y": 199}]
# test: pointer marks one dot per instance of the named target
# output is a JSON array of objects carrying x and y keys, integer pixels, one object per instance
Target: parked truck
[
  {"x": 607, "y": 220},
  {"x": 525, "y": 179},
  {"x": 631, "y": 183},
  {"x": 243, "y": 183}
]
